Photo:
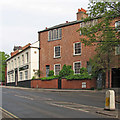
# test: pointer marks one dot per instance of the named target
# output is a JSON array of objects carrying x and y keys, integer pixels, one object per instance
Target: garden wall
[
  {"x": 44, "y": 83},
  {"x": 78, "y": 84}
]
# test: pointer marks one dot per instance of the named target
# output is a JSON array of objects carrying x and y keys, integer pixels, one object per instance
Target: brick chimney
[{"x": 81, "y": 14}]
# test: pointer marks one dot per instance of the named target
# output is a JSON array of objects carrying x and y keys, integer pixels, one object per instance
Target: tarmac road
[{"x": 36, "y": 103}]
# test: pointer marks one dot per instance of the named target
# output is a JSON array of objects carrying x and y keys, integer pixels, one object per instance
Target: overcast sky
[{"x": 20, "y": 20}]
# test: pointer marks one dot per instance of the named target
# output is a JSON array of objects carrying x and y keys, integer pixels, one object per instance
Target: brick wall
[
  {"x": 69, "y": 36},
  {"x": 77, "y": 84},
  {"x": 44, "y": 83}
]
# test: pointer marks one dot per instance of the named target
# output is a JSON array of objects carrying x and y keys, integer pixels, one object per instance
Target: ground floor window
[
  {"x": 26, "y": 75},
  {"x": 83, "y": 84},
  {"x": 77, "y": 66},
  {"x": 21, "y": 75},
  {"x": 12, "y": 78},
  {"x": 57, "y": 69}
]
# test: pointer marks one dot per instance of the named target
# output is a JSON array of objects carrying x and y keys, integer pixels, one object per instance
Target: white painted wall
[{"x": 33, "y": 59}]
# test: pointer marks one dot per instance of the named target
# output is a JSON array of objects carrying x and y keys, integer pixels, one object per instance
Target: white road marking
[
  {"x": 24, "y": 97},
  {"x": 69, "y": 107}
]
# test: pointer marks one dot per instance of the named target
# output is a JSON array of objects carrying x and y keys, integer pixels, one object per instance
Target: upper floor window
[
  {"x": 77, "y": 66},
  {"x": 57, "y": 69},
  {"x": 55, "y": 34},
  {"x": 88, "y": 24},
  {"x": 117, "y": 25},
  {"x": 117, "y": 50},
  {"x": 27, "y": 57},
  {"x": 56, "y": 51},
  {"x": 15, "y": 63},
  {"x": 77, "y": 48},
  {"x": 23, "y": 59},
  {"x": 18, "y": 61}
]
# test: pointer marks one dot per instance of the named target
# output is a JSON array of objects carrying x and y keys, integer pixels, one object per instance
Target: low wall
[
  {"x": 44, "y": 83},
  {"x": 77, "y": 84}
]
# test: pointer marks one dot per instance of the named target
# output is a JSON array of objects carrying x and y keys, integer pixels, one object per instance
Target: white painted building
[{"x": 23, "y": 64}]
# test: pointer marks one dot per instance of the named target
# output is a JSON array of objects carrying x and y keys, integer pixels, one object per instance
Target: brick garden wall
[
  {"x": 44, "y": 83},
  {"x": 77, "y": 84}
]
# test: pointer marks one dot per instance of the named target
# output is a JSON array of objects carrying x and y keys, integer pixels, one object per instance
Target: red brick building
[{"x": 61, "y": 45}]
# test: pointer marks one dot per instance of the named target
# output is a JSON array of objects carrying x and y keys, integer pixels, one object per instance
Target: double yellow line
[{"x": 9, "y": 114}]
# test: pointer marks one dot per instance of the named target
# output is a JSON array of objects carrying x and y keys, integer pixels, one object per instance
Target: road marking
[
  {"x": 9, "y": 114},
  {"x": 24, "y": 97},
  {"x": 69, "y": 107}
]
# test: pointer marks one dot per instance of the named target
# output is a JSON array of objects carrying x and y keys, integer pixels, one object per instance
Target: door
[
  {"x": 115, "y": 77},
  {"x": 16, "y": 77},
  {"x": 47, "y": 70},
  {"x": 59, "y": 83}
]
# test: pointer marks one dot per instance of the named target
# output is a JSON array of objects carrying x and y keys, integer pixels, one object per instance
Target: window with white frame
[
  {"x": 57, "y": 69},
  {"x": 77, "y": 66},
  {"x": 56, "y": 51},
  {"x": 12, "y": 65},
  {"x": 9, "y": 78},
  {"x": 54, "y": 34},
  {"x": 15, "y": 62},
  {"x": 117, "y": 25},
  {"x": 21, "y": 75},
  {"x": 23, "y": 59},
  {"x": 83, "y": 84},
  {"x": 117, "y": 50},
  {"x": 18, "y": 61},
  {"x": 27, "y": 59},
  {"x": 12, "y": 78},
  {"x": 77, "y": 48},
  {"x": 26, "y": 75}
]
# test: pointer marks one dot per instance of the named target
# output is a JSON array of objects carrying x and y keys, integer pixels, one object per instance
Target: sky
[{"x": 20, "y": 20}]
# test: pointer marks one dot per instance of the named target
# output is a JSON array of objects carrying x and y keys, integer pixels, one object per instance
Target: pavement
[{"x": 109, "y": 113}]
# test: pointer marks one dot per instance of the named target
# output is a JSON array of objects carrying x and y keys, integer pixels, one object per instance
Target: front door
[
  {"x": 16, "y": 77},
  {"x": 115, "y": 77},
  {"x": 47, "y": 70}
]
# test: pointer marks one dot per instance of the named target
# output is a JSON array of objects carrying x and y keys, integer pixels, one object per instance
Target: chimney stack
[{"x": 81, "y": 14}]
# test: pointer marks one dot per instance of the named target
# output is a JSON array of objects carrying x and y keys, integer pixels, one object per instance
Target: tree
[
  {"x": 103, "y": 35},
  {"x": 3, "y": 57}
]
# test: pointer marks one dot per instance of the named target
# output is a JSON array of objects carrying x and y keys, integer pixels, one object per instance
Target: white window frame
[
  {"x": 54, "y": 68},
  {"x": 27, "y": 57},
  {"x": 21, "y": 75},
  {"x": 116, "y": 25},
  {"x": 84, "y": 85},
  {"x": 117, "y": 50},
  {"x": 26, "y": 75},
  {"x": 74, "y": 48},
  {"x": 23, "y": 60},
  {"x": 55, "y": 54},
  {"x": 74, "y": 66}
]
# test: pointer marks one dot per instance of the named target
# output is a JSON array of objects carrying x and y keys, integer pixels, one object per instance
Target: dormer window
[{"x": 55, "y": 34}]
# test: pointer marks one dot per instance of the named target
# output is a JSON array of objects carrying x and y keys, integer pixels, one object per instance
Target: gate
[{"x": 59, "y": 83}]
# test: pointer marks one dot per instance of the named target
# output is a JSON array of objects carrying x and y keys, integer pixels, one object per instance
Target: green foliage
[
  {"x": 51, "y": 73},
  {"x": 83, "y": 70},
  {"x": 33, "y": 77},
  {"x": 102, "y": 34},
  {"x": 66, "y": 71},
  {"x": 38, "y": 72},
  {"x": 3, "y": 58},
  {"x": 49, "y": 78},
  {"x": 79, "y": 76},
  {"x": 83, "y": 75}
]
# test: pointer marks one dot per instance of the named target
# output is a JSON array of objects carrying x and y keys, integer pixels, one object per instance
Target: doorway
[{"x": 115, "y": 77}]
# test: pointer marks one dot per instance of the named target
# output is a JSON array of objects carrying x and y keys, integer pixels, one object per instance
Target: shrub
[
  {"x": 48, "y": 78},
  {"x": 83, "y": 70},
  {"x": 51, "y": 73},
  {"x": 66, "y": 71},
  {"x": 79, "y": 76}
]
